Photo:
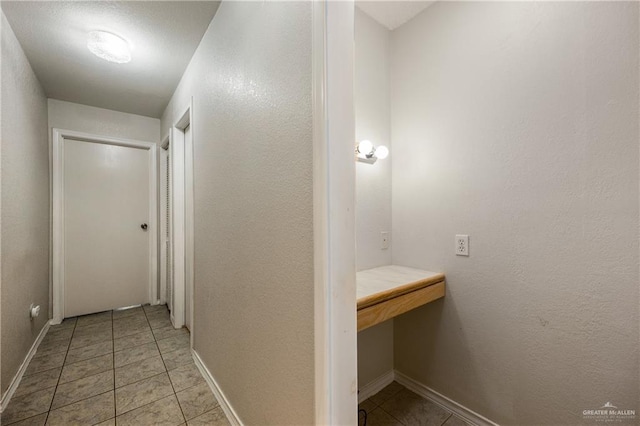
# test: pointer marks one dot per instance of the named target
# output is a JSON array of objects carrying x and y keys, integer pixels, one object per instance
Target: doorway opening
[
  {"x": 176, "y": 213},
  {"x": 166, "y": 264}
]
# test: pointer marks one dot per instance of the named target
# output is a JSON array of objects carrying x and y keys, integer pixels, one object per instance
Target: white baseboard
[
  {"x": 232, "y": 416},
  {"x": 459, "y": 410},
  {"x": 375, "y": 386},
  {"x": 23, "y": 367}
]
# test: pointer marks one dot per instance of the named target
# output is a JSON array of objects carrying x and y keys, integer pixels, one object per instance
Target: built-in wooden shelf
[{"x": 389, "y": 291}]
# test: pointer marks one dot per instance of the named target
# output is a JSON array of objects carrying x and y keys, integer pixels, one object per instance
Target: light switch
[{"x": 384, "y": 240}]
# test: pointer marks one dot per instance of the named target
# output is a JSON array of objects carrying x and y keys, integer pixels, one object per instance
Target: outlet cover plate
[{"x": 462, "y": 245}]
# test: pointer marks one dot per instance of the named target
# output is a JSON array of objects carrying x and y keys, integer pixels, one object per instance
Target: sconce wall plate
[
  {"x": 370, "y": 160},
  {"x": 366, "y": 152}
]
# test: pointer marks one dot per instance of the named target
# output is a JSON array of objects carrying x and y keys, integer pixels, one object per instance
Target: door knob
[{"x": 144, "y": 226}]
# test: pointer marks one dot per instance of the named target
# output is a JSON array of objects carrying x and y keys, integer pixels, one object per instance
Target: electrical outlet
[
  {"x": 384, "y": 240},
  {"x": 462, "y": 245}
]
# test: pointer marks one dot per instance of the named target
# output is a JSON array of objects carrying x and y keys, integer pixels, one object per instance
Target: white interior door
[{"x": 106, "y": 204}]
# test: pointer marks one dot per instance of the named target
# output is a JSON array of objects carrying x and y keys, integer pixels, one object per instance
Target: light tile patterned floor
[
  {"x": 127, "y": 367},
  {"x": 396, "y": 405}
]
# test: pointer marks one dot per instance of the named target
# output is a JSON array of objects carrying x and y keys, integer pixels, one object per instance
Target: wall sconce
[{"x": 367, "y": 153}]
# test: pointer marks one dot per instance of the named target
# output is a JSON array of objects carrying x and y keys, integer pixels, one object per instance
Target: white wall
[
  {"x": 103, "y": 122},
  {"x": 250, "y": 80},
  {"x": 517, "y": 123},
  {"x": 24, "y": 216},
  {"x": 373, "y": 182}
]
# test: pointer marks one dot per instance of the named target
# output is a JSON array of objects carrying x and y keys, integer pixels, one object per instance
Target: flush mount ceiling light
[
  {"x": 367, "y": 153},
  {"x": 109, "y": 47}
]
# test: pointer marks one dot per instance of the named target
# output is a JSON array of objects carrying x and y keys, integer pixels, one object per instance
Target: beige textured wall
[
  {"x": 373, "y": 116},
  {"x": 373, "y": 182},
  {"x": 250, "y": 80},
  {"x": 517, "y": 123},
  {"x": 103, "y": 122},
  {"x": 25, "y": 205}
]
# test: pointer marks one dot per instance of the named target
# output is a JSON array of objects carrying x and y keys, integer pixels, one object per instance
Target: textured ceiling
[
  {"x": 393, "y": 14},
  {"x": 164, "y": 34}
]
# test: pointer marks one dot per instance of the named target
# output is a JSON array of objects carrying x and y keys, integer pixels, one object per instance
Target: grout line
[
  {"x": 135, "y": 345},
  {"x": 24, "y": 395},
  {"x": 399, "y": 420},
  {"x": 93, "y": 324},
  {"x": 139, "y": 360},
  {"x": 43, "y": 371},
  {"x": 90, "y": 358},
  {"x": 24, "y": 420},
  {"x": 105, "y": 420},
  {"x": 153, "y": 375},
  {"x": 208, "y": 411},
  {"x": 148, "y": 403},
  {"x": 175, "y": 394},
  {"x": 61, "y": 370},
  {"x": 447, "y": 419},
  {"x": 62, "y": 339},
  {"x": 375, "y": 404},
  {"x": 129, "y": 335},
  {"x": 144, "y": 405},
  {"x": 391, "y": 415},
  {"x": 388, "y": 398},
  {"x": 83, "y": 377},
  {"x": 172, "y": 337},
  {"x": 89, "y": 344},
  {"x": 80, "y": 400},
  {"x": 32, "y": 392}
]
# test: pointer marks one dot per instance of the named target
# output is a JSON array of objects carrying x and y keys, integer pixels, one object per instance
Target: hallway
[
  {"x": 125, "y": 367},
  {"x": 237, "y": 78}
]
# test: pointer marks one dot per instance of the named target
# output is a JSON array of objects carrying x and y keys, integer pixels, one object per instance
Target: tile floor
[
  {"x": 396, "y": 405},
  {"x": 127, "y": 367}
]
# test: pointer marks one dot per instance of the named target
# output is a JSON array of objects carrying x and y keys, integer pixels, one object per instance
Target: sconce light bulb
[
  {"x": 365, "y": 147},
  {"x": 382, "y": 152}
]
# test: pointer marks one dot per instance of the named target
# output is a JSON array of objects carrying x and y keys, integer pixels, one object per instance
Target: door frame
[
  {"x": 336, "y": 394},
  {"x": 57, "y": 207},
  {"x": 163, "y": 230},
  {"x": 181, "y": 220},
  {"x": 189, "y": 235}
]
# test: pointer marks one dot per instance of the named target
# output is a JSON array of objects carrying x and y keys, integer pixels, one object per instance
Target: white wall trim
[
  {"x": 57, "y": 206},
  {"x": 334, "y": 213},
  {"x": 232, "y": 416},
  {"x": 376, "y": 385},
  {"x": 15, "y": 382},
  {"x": 321, "y": 291},
  {"x": 456, "y": 408}
]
